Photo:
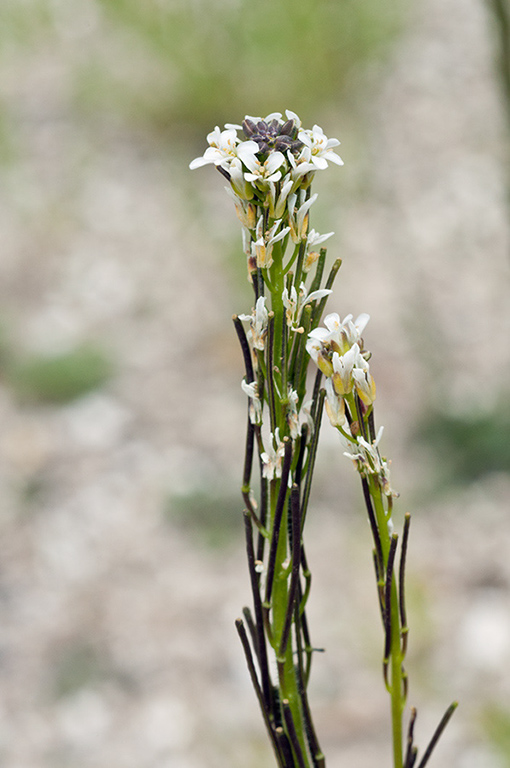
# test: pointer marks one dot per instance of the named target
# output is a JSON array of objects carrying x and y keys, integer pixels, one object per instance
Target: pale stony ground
[{"x": 117, "y": 645}]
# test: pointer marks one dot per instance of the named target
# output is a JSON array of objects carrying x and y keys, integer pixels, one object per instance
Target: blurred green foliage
[
  {"x": 188, "y": 64},
  {"x": 466, "y": 448},
  {"x": 212, "y": 517},
  {"x": 59, "y": 378},
  {"x": 77, "y": 666},
  {"x": 495, "y": 723},
  {"x": 218, "y": 59},
  {"x": 21, "y": 22}
]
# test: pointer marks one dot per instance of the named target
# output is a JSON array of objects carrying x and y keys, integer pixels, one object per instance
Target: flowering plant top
[
  {"x": 270, "y": 170},
  {"x": 274, "y": 149},
  {"x": 270, "y": 167}
]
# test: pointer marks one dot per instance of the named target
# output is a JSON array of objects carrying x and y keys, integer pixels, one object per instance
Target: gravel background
[{"x": 118, "y": 590}]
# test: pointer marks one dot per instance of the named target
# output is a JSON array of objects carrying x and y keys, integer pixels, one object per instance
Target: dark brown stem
[
  {"x": 315, "y": 750},
  {"x": 411, "y": 751},
  {"x": 437, "y": 734},
  {"x": 401, "y": 584},
  {"x": 245, "y": 348},
  {"x": 373, "y": 525},
  {"x": 259, "y": 617},
  {"x": 291, "y": 731},
  {"x": 312, "y": 454},
  {"x": 265, "y": 712},
  {"x": 387, "y": 602}
]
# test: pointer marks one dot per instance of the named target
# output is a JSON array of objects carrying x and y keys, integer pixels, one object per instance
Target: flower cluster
[
  {"x": 269, "y": 165},
  {"x": 270, "y": 171},
  {"x": 368, "y": 461},
  {"x": 337, "y": 350}
]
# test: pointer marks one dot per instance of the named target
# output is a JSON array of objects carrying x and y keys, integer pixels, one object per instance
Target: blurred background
[{"x": 122, "y": 419}]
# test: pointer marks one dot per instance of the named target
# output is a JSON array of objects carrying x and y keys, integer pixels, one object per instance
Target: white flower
[
  {"x": 321, "y": 148},
  {"x": 339, "y": 336},
  {"x": 293, "y": 116},
  {"x": 262, "y": 248},
  {"x": 319, "y": 352},
  {"x": 292, "y": 413},
  {"x": 368, "y": 453},
  {"x": 298, "y": 217},
  {"x": 255, "y": 403},
  {"x": 267, "y": 119},
  {"x": 300, "y": 165},
  {"x": 314, "y": 295},
  {"x": 290, "y": 304},
  {"x": 314, "y": 239},
  {"x": 365, "y": 385},
  {"x": 335, "y": 405},
  {"x": 242, "y": 188},
  {"x": 368, "y": 461},
  {"x": 343, "y": 365},
  {"x": 246, "y": 211},
  {"x": 306, "y": 410},
  {"x": 272, "y": 116},
  {"x": 246, "y": 239},
  {"x": 258, "y": 171},
  {"x": 272, "y": 458},
  {"x": 278, "y": 203},
  {"x": 344, "y": 333},
  {"x": 222, "y": 149},
  {"x": 258, "y": 323},
  {"x": 294, "y": 304}
]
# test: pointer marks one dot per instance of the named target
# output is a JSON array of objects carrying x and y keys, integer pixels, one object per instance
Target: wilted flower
[
  {"x": 292, "y": 413},
  {"x": 272, "y": 458},
  {"x": 335, "y": 405},
  {"x": 368, "y": 461},
  {"x": 255, "y": 403},
  {"x": 258, "y": 323},
  {"x": 314, "y": 238},
  {"x": 342, "y": 376},
  {"x": 298, "y": 217},
  {"x": 365, "y": 385},
  {"x": 278, "y": 194},
  {"x": 295, "y": 303},
  {"x": 262, "y": 248}
]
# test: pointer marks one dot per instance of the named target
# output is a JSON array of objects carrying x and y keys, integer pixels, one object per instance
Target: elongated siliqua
[{"x": 270, "y": 165}]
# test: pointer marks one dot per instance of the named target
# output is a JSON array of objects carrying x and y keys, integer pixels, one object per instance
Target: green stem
[
  {"x": 282, "y": 589},
  {"x": 277, "y": 286},
  {"x": 287, "y": 671},
  {"x": 397, "y": 700},
  {"x": 395, "y": 651}
]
